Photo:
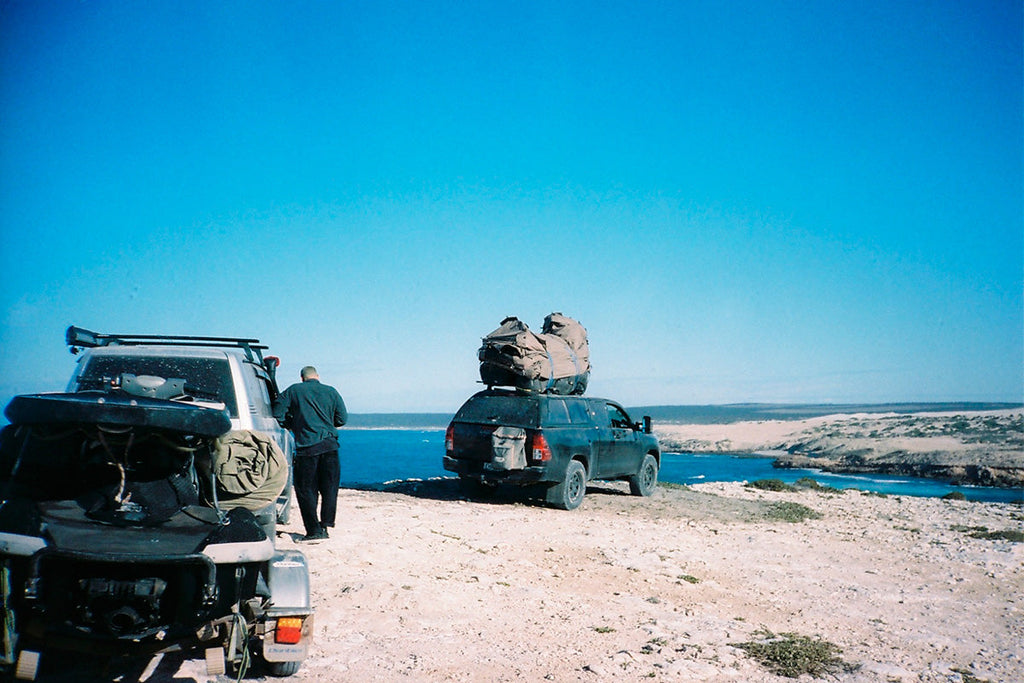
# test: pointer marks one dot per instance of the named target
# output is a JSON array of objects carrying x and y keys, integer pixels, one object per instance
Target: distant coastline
[
  {"x": 946, "y": 441},
  {"x": 753, "y": 412},
  {"x": 705, "y": 414},
  {"x": 398, "y": 420}
]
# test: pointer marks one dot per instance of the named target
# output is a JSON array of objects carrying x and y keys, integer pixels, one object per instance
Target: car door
[{"x": 619, "y": 451}]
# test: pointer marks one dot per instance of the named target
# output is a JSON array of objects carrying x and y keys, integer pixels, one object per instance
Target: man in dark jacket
[{"x": 313, "y": 412}]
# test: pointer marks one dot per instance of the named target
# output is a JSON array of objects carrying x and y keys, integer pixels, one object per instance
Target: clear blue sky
[{"x": 750, "y": 201}]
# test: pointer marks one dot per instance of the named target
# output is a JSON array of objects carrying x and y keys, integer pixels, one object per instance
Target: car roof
[
  {"x": 511, "y": 393},
  {"x": 166, "y": 351}
]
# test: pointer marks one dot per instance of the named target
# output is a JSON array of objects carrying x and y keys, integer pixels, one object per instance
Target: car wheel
[
  {"x": 568, "y": 493},
  {"x": 282, "y": 669},
  {"x": 645, "y": 480}
]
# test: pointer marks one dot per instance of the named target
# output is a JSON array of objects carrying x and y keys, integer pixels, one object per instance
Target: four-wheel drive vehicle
[
  {"x": 224, "y": 372},
  {"x": 500, "y": 436},
  {"x": 126, "y": 524}
]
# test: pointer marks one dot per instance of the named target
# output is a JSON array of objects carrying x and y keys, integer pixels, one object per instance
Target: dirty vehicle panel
[{"x": 555, "y": 432}]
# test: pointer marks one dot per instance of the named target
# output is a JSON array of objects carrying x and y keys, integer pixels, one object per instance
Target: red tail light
[
  {"x": 289, "y": 630},
  {"x": 540, "y": 452},
  {"x": 449, "y": 438}
]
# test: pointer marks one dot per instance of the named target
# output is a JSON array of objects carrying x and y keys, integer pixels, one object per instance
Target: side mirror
[
  {"x": 271, "y": 363},
  {"x": 647, "y": 424}
]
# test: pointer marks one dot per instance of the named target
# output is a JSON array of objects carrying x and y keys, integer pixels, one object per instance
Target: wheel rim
[
  {"x": 649, "y": 475},
  {"x": 575, "y": 486}
]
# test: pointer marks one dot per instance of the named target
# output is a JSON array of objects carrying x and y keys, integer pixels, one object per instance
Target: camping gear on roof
[{"x": 556, "y": 361}]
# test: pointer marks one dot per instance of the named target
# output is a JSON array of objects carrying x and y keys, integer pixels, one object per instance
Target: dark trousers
[{"x": 312, "y": 476}]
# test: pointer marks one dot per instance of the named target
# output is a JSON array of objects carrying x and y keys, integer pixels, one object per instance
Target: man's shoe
[{"x": 316, "y": 536}]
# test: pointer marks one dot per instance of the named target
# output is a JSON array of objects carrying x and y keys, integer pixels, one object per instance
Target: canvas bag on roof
[
  {"x": 555, "y": 362},
  {"x": 574, "y": 334}
]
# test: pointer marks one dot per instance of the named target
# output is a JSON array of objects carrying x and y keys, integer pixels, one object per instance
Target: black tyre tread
[
  {"x": 641, "y": 484},
  {"x": 568, "y": 494}
]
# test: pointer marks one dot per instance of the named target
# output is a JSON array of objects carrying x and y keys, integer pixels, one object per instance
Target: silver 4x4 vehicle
[
  {"x": 112, "y": 537},
  {"x": 560, "y": 442}
]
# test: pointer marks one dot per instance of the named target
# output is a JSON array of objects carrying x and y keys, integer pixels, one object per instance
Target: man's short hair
[{"x": 308, "y": 372}]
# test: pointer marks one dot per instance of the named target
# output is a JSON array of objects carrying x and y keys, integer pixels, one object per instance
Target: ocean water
[{"x": 376, "y": 456}]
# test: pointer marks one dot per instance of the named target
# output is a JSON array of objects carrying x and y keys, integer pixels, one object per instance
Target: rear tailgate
[{"x": 472, "y": 441}]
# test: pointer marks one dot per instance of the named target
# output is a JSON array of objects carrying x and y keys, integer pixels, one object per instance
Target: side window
[
  {"x": 598, "y": 412},
  {"x": 618, "y": 417},
  {"x": 578, "y": 413},
  {"x": 558, "y": 414},
  {"x": 256, "y": 389}
]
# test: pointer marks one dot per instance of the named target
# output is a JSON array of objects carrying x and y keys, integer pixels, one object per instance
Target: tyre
[
  {"x": 568, "y": 493},
  {"x": 282, "y": 669},
  {"x": 645, "y": 480}
]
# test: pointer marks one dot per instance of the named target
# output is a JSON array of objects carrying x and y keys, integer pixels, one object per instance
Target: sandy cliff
[{"x": 985, "y": 448}]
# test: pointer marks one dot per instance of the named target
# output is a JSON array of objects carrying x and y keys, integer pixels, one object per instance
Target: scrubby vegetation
[
  {"x": 792, "y": 655},
  {"x": 801, "y": 484},
  {"x": 770, "y": 485},
  {"x": 813, "y": 485},
  {"x": 790, "y": 512},
  {"x": 1012, "y": 535}
]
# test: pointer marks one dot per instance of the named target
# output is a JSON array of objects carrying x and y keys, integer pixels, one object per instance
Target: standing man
[{"x": 313, "y": 412}]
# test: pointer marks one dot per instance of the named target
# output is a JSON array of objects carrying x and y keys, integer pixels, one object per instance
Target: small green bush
[
  {"x": 792, "y": 655},
  {"x": 791, "y": 512},
  {"x": 771, "y": 485},
  {"x": 954, "y": 495},
  {"x": 808, "y": 483}
]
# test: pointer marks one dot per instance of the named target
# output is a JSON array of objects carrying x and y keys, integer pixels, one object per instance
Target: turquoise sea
[{"x": 375, "y": 456}]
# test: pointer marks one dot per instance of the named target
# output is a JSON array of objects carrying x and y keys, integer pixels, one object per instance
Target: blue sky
[{"x": 749, "y": 201}]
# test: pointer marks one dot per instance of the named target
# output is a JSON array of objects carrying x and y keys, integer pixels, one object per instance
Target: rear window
[
  {"x": 514, "y": 411},
  {"x": 206, "y": 379}
]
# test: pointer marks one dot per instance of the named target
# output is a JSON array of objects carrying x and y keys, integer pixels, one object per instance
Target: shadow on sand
[
  {"x": 450, "y": 489},
  {"x": 171, "y": 667}
]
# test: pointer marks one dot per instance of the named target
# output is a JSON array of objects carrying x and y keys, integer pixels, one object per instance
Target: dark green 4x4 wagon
[{"x": 501, "y": 436}]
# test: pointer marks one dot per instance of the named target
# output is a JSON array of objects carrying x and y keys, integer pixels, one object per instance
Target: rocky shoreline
[
  {"x": 960, "y": 475},
  {"x": 983, "y": 448}
]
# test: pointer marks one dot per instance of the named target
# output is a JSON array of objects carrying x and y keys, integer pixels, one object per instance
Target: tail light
[
  {"x": 539, "y": 450},
  {"x": 449, "y": 438},
  {"x": 289, "y": 630}
]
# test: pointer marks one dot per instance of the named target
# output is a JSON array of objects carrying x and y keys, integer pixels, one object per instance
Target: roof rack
[{"x": 79, "y": 338}]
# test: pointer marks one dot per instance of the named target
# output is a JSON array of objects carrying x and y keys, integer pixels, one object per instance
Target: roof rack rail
[{"x": 79, "y": 338}]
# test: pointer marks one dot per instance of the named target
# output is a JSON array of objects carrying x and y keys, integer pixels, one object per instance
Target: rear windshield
[
  {"x": 206, "y": 379},
  {"x": 514, "y": 411}
]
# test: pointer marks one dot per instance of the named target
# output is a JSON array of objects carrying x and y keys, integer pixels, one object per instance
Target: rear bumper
[{"x": 485, "y": 471}]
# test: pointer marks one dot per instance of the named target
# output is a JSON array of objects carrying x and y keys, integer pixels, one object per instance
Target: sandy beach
[
  {"x": 421, "y": 585},
  {"x": 417, "y": 583}
]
